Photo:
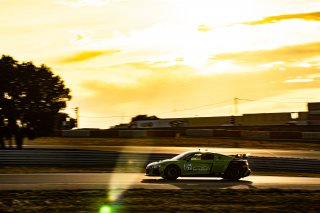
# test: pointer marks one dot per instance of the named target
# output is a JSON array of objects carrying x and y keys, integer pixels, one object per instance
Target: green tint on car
[{"x": 200, "y": 164}]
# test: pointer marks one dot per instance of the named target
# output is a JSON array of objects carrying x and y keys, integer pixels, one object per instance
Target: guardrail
[
  {"x": 126, "y": 159},
  {"x": 222, "y": 133},
  {"x": 284, "y": 164}
]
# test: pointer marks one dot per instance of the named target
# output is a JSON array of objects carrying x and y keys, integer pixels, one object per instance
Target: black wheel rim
[
  {"x": 234, "y": 172},
  {"x": 172, "y": 172}
]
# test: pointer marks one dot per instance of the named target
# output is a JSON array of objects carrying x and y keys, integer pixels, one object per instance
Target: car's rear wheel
[
  {"x": 233, "y": 173},
  {"x": 172, "y": 172}
]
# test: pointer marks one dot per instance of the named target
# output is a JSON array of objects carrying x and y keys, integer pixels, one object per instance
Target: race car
[{"x": 200, "y": 164}]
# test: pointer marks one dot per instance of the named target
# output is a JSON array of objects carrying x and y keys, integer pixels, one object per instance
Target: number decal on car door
[{"x": 188, "y": 167}]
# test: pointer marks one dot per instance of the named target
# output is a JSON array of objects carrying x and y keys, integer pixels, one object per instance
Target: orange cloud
[
  {"x": 315, "y": 16},
  {"x": 87, "y": 55},
  {"x": 287, "y": 54},
  {"x": 203, "y": 28},
  {"x": 165, "y": 90}
]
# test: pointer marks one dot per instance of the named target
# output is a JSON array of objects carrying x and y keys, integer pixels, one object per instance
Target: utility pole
[
  {"x": 236, "y": 106},
  {"x": 76, "y": 110}
]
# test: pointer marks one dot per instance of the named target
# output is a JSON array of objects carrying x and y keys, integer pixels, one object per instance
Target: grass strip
[{"x": 142, "y": 200}]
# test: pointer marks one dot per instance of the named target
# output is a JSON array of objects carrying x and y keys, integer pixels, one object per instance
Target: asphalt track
[
  {"x": 128, "y": 157},
  {"x": 123, "y": 181}
]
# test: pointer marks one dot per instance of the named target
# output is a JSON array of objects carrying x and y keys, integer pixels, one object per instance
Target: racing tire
[
  {"x": 233, "y": 173},
  {"x": 172, "y": 172}
]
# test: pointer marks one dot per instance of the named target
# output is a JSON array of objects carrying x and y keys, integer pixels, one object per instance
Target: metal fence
[{"x": 128, "y": 159}]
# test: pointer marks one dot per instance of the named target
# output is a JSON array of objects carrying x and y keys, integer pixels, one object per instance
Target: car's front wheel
[{"x": 172, "y": 172}]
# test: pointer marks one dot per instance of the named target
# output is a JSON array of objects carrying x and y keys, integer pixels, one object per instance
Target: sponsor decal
[
  {"x": 201, "y": 169},
  {"x": 188, "y": 167},
  {"x": 177, "y": 123}
]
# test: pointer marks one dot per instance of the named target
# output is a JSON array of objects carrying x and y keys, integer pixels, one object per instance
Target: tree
[
  {"x": 144, "y": 117},
  {"x": 64, "y": 122},
  {"x": 30, "y": 95}
]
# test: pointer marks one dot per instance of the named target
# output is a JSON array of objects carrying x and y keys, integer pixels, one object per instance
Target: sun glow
[
  {"x": 216, "y": 12},
  {"x": 125, "y": 57},
  {"x": 82, "y": 3}
]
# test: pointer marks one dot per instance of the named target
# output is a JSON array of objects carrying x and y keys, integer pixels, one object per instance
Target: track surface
[
  {"x": 126, "y": 156},
  {"x": 123, "y": 181},
  {"x": 129, "y": 158}
]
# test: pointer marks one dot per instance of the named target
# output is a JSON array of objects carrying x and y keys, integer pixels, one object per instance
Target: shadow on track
[{"x": 187, "y": 183}]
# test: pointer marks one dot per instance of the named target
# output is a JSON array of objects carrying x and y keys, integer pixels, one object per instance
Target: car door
[
  {"x": 199, "y": 164},
  {"x": 220, "y": 164}
]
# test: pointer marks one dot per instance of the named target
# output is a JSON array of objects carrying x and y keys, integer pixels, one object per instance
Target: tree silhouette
[
  {"x": 30, "y": 95},
  {"x": 144, "y": 117}
]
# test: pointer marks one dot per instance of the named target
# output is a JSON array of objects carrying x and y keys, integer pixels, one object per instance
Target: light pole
[
  {"x": 76, "y": 110},
  {"x": 236, "y": 106}
]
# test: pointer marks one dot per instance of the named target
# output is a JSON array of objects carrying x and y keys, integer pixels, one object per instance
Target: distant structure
[
  {"x": 314, "y": 113},
  {"x": 160, "y": 123},
  {"x": 311, "y": 117}
]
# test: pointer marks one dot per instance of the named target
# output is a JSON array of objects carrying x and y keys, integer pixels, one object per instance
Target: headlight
[
  {"x": 153, "y": 166},
  {"x": 156, "y": 166}
]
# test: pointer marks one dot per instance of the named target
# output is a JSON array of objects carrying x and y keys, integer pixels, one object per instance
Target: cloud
[
  {"x": 87, "y": 55},
  {"x": 195, "y": 45},
  {"x": 203, "y": 28},
  {"x": 299, "y": 80},
  {"x": 315, "y": 16},
  {"x": 83, "y": 3},
  {"x": 166, "y": 88},
  {"x": 287, "y": 54},
  {"x": 158, "y": 95}
]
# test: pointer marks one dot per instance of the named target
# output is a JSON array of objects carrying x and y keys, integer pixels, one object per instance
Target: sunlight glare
[
  {"x": 114, "y": 192},
  {"x": 105, "y": 209},
  {"x": 217, "y": 12},
  {"x": 220, "y": 67}
]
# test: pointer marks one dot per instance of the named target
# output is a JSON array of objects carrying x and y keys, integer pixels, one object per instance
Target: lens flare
[
  {"x": 105, "y": 209},
  {"x": 118, "y": 185}
]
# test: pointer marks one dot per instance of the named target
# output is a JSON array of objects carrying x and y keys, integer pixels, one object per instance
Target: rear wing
[{"x": 241, "y": 156}]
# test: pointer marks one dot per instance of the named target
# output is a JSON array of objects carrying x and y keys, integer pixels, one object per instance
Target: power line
[
  {"x": 179, "y": 110},
  {"x": 104, "y": 117},
  {"x": 235, "y": 102},
  {"x": 290, "y": 102},
  {"x": 196, "y": 107}
]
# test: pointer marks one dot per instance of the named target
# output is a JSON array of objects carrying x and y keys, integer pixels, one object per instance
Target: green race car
[{"x": 200, "y": 164}]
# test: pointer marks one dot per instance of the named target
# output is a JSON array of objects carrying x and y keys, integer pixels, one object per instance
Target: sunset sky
[{"x": 170, "y": 58}]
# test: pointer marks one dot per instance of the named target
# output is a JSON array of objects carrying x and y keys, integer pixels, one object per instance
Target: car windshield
[{"x": 181, "y": 156}]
